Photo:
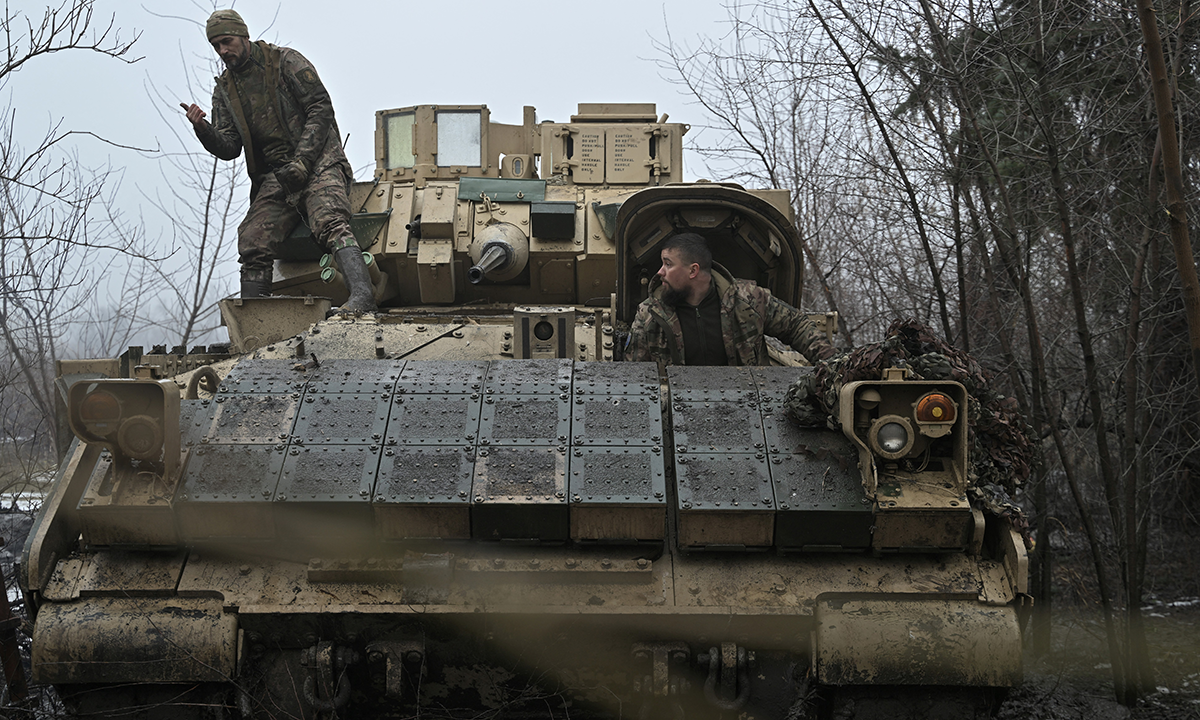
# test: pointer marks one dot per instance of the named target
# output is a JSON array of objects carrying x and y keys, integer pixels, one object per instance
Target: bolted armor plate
[
  {"x": 700, "y": 383},
  {"x": 606, "y": 378},
  {"x": 773, "y": 382},
  {"x": 273, "y": 376},
  {"x": 529, "y": 377},
  {"x": 325, "y": 492},
  {"x": 726, "y": 481},
  {"x": 232, "y": 472},
  {"x": 424, "y": 492},
  {"x": 195, "y": 418},
  {"x": 227, "y": 492},
  {"x": 341, "y": 419},
  {"x": 520, "y": 493},
  {"x": 354, "y": 376},
  {"x": 442, "y": 377},
  {"x": 425, "y": 475},
  {"x": 724, "y": 501},
  {"x": 330, "y": 473},
  {"x": 619, "y": 476},
  {"x": 822, "y": 506},
  {"x": 616, "y": 420},
  {"x": 434, "y": 420},
  {"x": 718, "y": 427},
  {"x": 785, "y": 435},
  {"x": 617, "y": 494},
  {"x": 821, "y": 503},
  {"x": 255, "y": 419},
  {"x": 525, "y": 420}
]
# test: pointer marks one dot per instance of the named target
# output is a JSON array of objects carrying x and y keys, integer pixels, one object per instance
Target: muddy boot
[
  {"x": 256, "y": 283},
  {"x": 358, "y": 281}
]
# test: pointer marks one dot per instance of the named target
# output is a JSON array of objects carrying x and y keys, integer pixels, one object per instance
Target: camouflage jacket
[
  {"x": 748, "y": 312},
  {"x": 301, "y": 103}
]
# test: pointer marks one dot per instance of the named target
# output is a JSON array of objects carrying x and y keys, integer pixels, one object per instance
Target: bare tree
[
  {"x": 202, "y": 198},
  {"x": 1011, "y": 145},
  {"x": 53, "y": 237}
]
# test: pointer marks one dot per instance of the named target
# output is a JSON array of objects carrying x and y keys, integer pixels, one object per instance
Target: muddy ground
[{"x": 1074, "y": 681}]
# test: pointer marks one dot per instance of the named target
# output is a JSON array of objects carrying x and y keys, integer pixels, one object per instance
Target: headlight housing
[
  {"x": 891, "y": 436},
  {"x": 906, "y": 427},
  {"x": 134, "y": 418},
  {"x": 935, "y": 413}
]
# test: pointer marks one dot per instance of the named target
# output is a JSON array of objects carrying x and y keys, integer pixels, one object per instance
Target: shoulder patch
[{"x": 307, "y": 76}]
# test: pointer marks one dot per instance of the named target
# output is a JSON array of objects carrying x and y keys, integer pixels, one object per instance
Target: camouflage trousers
[{"x": 273, "y": 215}]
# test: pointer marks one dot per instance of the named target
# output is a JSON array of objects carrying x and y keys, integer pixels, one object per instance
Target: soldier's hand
[
  {"x": 194, "y": 114},
  {"x": 292, "y": 177}
]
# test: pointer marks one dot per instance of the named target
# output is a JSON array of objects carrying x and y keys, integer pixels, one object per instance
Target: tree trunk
[{"x": 1176, "y": 207}]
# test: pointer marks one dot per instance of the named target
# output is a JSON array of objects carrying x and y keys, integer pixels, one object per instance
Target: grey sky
[{"x": 371, "y": 55}]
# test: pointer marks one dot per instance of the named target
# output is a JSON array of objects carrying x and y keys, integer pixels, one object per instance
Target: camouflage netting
[{"x": 1001, "y": 442}]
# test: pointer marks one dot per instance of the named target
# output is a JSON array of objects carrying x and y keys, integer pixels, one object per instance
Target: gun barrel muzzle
[{"x": 495, "y": 256}]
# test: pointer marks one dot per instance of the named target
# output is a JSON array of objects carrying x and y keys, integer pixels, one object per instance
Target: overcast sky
[{"x": 371, "y": 55}]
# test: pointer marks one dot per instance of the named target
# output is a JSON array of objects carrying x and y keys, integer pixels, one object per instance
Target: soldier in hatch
[
  {"x": 270, "y": 101},
  {"x": 699, "y": 314}
]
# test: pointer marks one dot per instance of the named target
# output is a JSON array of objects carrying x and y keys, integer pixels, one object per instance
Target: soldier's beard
[
  {"x": 672, "y": 296},
  {"x": 238, "y": 58}
]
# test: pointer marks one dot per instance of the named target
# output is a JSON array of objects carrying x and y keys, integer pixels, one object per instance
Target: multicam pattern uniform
[
  {"x": 748, "y": 312},
  {"x": 280, "y": 103}
]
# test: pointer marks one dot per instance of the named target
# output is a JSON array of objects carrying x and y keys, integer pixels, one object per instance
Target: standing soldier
[{"x": 270, "y": 101}]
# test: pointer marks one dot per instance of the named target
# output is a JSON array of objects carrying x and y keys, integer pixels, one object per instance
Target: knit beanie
[{"x": 226, "y": 22}]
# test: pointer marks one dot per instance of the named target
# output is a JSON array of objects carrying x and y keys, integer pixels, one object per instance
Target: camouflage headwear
[{"x": 226, "y": 22}]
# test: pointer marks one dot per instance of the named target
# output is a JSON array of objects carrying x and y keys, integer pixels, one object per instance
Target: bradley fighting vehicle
[{"x": 465, "y": 505}]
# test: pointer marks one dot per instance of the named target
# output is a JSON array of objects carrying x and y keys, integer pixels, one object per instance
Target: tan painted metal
[
  {"x": 107, "y": 367},
  {"x": 912, "y": 514},
  {"x": 258, "y": 322},
  {"x": 543, "y": 332},
  {"x": 133, "y": 572},
  {"x": 438, "y": 276},
  {"x": 700, "y": 528},
  {"x": 617, "y": 523},
  {"x": 897, "y": 640},
  {"x": 606, "y": 151},
  {"x": 118, "y": 639},
  {"x": 126, "y": 509},
  {"x": 53, "y": 539}
]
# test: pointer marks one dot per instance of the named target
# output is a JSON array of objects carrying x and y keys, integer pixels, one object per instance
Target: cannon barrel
[
  {"x": 495, "y": 257},
  {"x": 500, "y": 252}
]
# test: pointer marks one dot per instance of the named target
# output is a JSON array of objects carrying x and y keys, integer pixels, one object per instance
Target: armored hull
[{"x": 463, "y": 505}]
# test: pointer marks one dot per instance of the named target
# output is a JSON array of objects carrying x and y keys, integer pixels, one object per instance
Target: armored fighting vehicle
[{"x": 467, "y": 506}]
